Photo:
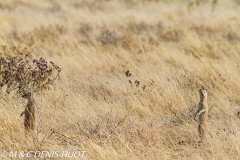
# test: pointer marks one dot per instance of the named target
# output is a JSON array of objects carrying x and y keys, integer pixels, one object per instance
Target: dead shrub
[
  {"x": 137, "y": 28},
  {"x": 107, "y": 37},
  {"x": 19, "y": 75},
  {"x": 85, "y": 28}
]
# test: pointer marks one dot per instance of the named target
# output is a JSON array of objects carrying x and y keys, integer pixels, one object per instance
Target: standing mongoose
[
  {"x": 29, "y": 120},
  {"x": 202, "y": 112}
]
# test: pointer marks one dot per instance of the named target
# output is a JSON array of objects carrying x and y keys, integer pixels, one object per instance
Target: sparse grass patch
[{"x": 170, "y": 34}]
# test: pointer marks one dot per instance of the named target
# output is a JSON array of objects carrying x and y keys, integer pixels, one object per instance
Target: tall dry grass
[{"x": 169, "y": 50}]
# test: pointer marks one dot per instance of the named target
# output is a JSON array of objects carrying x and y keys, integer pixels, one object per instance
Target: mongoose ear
[
  {"x": 30, "y": 94},
  {"x": 200, "y": 90}
]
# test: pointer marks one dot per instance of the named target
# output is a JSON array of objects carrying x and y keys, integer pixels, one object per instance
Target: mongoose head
[
  {"x": 203, "y": 93},
  {"x": 27, "y": 95}
]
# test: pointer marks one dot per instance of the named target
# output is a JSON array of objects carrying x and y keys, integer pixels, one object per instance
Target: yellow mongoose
[
  {"x": 29, "y": 120},
  {"x": 202, "y": 112}
]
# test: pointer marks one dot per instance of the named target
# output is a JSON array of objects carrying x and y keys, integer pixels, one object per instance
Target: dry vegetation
[{"x": 170, "y": 50}]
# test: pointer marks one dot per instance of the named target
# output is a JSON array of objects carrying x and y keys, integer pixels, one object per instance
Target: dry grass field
[{"x": 170, "y": 49}]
